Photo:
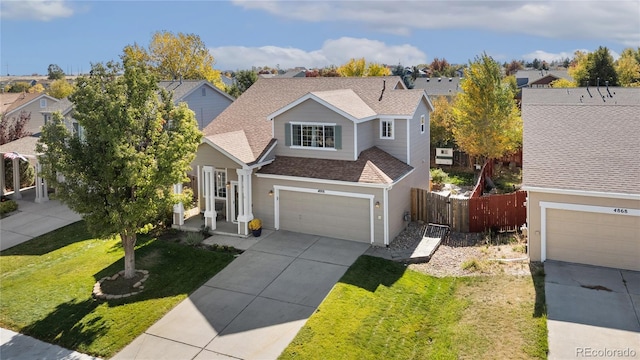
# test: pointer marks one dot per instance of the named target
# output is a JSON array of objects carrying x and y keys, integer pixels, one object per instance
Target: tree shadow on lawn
[
  {"x": 64, "y": 325},
  {"x": 174, "y": 269},
  {"x": 369, "y": 272},
  {"x": 537, "y": 274},
  {"x": 52, "y": 241}
]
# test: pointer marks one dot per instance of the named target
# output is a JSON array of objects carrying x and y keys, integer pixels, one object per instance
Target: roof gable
[
  {"x": 26, "y": 99},
  {"x": 183, "y": 88}
]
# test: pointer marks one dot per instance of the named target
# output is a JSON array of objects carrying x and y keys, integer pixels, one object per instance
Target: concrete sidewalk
[
  {"x": 254, "y": 307},
  {"x": 592, "y": 312},
  {"x": 32, "y": 220},
  {"x": 14, "y": 346}
]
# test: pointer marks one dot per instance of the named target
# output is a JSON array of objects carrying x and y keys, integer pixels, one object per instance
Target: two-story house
[
  {"x": 335, "y": 157},
  {"x": 31, "y": 104}
]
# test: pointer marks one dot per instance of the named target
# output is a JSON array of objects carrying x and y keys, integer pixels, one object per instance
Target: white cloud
[
  {"x": 41, "y": 10},
  {"x": 332, "y": 52},
  {"x": 608, "y": 20},
  {"x": 549, "y": 57}
]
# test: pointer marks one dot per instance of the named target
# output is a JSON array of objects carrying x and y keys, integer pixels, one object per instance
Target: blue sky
[{"x": 242, "y": 34}]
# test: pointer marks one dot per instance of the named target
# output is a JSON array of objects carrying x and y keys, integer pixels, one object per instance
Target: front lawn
[
  {"x": 46, "y": 283},
  {"x": 382, "y": 310}
]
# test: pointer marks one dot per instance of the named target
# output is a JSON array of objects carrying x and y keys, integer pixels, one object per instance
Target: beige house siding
[
  {"x": 206, "y": 155},
  {"x": 365, "y": 135},
  {"x": 206, "y": 107},
  {"x": 37, "y": 119},
  {"x": 400, "y": 198},
  {"x": 313, "y": 112},
  {"x": 622, "y": 233},
  {"x": 419, "y": 141},
  {"x": 264, "y": 204},
  {"x": 397, "y": 146}
]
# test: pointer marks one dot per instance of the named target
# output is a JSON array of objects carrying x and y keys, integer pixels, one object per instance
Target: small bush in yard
[
  {"x": 193, "y": 238},
  {"x": 8, "y": 206},
  {"x": 438, "y": 176},
  {"x": 472, "y": 265}
]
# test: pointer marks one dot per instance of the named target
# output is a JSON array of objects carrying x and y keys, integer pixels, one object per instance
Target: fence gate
[{"x": 439, "y": 209}]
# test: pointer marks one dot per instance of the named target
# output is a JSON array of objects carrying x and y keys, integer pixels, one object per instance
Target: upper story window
[
  {"x": 204, "y": 92},
  {"x": 422, "y": 124},
  {"x": 43, "y": 103},
  {"x": 386, "y": 129},
  {"x": 47, "y": 118},
  {"x": 78, "y": 130},
  {"x": 321, "y": 136}
]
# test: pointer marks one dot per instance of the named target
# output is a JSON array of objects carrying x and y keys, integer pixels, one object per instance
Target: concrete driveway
[
  {"x": 592, "y": 312},
  {"x": 255, "y": 306}
]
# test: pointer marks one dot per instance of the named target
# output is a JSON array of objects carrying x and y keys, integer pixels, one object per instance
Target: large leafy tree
[
  {"x": 594, "y": 68},
  {"x": 60, "y": 89},
  {"x": 177, "y": 56},
  {"x": 628, "y": 67},
  {"x": 441, "y": 123},
  {"x": 243, "y": 79},
  {"x": 55, "y": 72},
  {"x": 360, "y": 67},
  {"x": 136, "y": 143},
  {"x": 487, "y": 122}
]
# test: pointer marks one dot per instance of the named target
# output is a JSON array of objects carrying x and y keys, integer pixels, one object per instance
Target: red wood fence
[{"x": 504, "y": 212}]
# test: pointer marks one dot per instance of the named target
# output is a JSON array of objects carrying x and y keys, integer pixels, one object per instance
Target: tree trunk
[{"x": 129, "y": 243}]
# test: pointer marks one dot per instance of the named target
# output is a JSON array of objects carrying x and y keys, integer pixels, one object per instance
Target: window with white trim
[
  {"x": 422, "y": 124},
  {"x": 43, "y": 103},
  {"x": 220, "y": 183},
  {"x": 47, "y": 118},
  {"x": 386, "y": 129},
  {"x": 313, "y": 136}
]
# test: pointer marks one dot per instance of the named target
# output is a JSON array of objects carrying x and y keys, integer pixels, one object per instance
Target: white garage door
[
  {"x": 593, "y": 238},
  {"x": 327, "y": 215}
]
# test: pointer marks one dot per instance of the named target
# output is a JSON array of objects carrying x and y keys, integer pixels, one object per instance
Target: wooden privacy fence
[
  {"x": 504, "y": 212},
  {"x": 438, "y": 209},
  {"x": 498, "y": 212}
]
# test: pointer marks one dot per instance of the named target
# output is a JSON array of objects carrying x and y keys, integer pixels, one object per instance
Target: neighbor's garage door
[
  {"x": 592, "y": 238},
  {"x": 327, "y": 215}
]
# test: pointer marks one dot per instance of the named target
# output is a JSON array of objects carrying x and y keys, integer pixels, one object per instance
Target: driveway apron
[
  {"x": 592, "y": 312},
  {"x": 254, "y": 307}
]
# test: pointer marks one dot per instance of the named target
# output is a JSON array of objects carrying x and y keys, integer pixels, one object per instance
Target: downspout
[{"x": 385, "y": 200}]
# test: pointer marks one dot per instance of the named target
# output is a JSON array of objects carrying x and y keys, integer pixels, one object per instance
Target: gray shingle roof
[
  {"x": 576, "y": 141},
  {"x": 250, "y": 111},
  {"x": 438, "y": 86}
]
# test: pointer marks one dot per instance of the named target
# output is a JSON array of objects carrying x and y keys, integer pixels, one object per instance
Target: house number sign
[
  {"x": 621, "y": 211},
  {"x": 321, "y": 191}
]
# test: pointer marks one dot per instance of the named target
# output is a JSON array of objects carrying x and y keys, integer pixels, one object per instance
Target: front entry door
[{"x": 234, "y": 201}]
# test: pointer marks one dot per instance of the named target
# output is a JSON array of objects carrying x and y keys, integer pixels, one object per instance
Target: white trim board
[
  {"x": 544, "y": 205},
  {"x": 276, "y": 202},
  {"x": 600, "y": 194}
]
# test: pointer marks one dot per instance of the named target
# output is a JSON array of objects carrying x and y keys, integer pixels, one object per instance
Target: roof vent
[
  {"x": 439, "y": 79},
  {"x": 450, "y": 79}
]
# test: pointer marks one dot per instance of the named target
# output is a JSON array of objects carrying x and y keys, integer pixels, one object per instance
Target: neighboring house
[
  {"x": 540, "y": 78},
  {"x": 436, "y": 87},
  {"x": 582, "y": 173},
  {"x": 204, "y": 98},
  {"x": 65, "y": 108},
  {"x": 329, "y": 156},
  {"x": 30, "y": 103}
]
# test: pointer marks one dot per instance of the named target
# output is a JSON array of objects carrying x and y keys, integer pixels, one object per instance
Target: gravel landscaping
[{"x": 469, "y": 254}]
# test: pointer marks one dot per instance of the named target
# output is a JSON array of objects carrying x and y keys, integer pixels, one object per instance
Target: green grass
[
  {"x": 46, "y": 284},
  {"x": 381, "y": 310},
  {"x": 453, "y": 176}
]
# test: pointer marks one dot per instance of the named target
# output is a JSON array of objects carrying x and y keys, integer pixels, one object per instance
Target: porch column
[
  {"x": 42, "y": 194},
  {"x": 209, "y": 200},
  {"x": 16, "y": 178},
  {"x": 2, "y": 173},
  {"x": 245, "y": 211},
  {"x": 178, "y": 209}
]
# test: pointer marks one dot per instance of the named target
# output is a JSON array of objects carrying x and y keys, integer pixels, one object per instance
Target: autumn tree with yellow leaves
[
  {"x": 177, "y": 56},
  {"x": 487, "y": 122},
  {"x": 360, "y": 68}
]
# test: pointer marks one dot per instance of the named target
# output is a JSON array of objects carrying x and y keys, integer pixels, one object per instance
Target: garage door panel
[
  {"x": 593, "y": 238},
  {"x": 324, "y": 214}
]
